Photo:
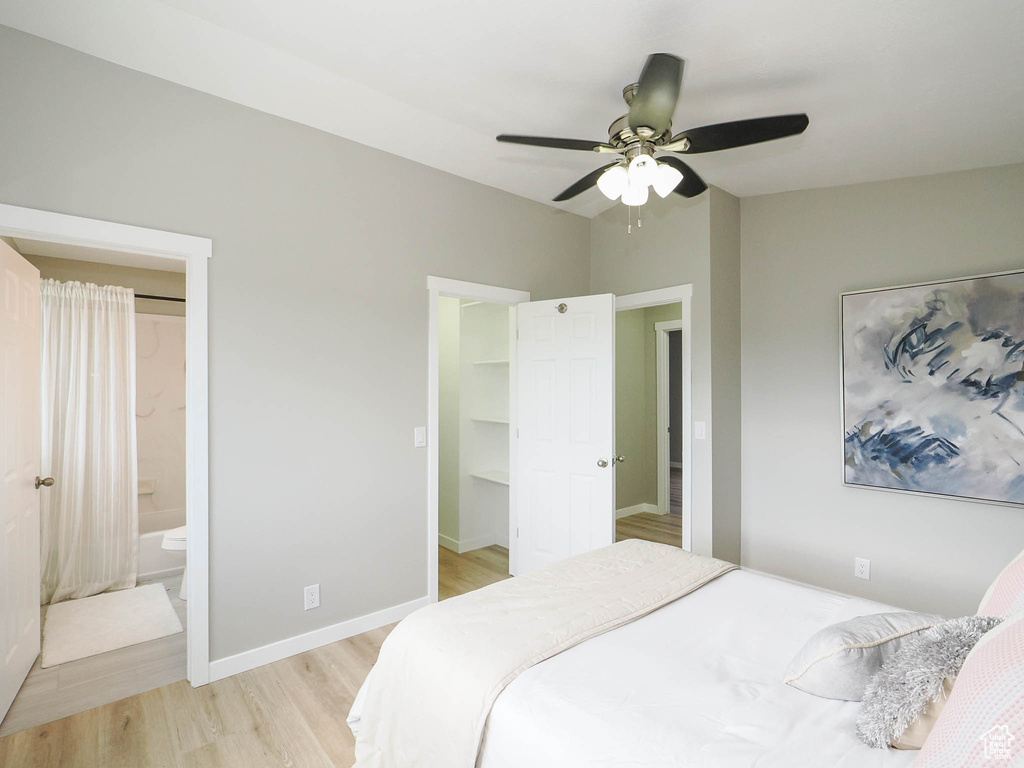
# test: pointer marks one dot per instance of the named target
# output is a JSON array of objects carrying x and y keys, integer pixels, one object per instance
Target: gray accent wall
[
  {"x": 318, "y": 313},
  {"x": 800, "y": 250}
]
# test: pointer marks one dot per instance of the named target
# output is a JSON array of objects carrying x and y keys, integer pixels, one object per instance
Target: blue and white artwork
[{"x": 933, "y": 388}]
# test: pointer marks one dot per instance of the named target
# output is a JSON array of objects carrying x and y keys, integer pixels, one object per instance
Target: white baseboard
[
  {"x": 477, "y": 542},
  {"x": 467, "y": 545},
  {"x": 637, "y": 509},
  {"x": 257, "y": 657},
  {"x": 676, "y": 464}
]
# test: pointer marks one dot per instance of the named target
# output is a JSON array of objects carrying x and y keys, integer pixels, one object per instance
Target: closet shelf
[
  {"x": 489, "y": 419},
  {"x": 490, "y": 362},
  {"x": 498, "y": 476}
]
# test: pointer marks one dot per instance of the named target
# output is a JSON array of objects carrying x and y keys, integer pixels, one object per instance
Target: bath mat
[{"x": 75, "y": 629}]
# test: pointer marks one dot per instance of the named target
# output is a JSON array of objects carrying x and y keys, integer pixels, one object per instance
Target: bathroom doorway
[
  {"x": 113, "y": 496},
  {"x": 126, "y": 245}
]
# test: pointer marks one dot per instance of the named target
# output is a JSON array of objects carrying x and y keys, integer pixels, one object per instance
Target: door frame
[
  {"x": 683, "y": 295},
  {"x": 662, "y": 341},
  {"x": 61, "y": 228},
  {"x": 459, "y": 289}
]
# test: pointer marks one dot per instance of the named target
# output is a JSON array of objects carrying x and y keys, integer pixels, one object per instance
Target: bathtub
[{"x": 154, "y": 561}]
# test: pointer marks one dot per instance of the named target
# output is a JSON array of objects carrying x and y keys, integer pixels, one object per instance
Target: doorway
[
  {"x": 112, "y": 518},
  {"x": 121, "y": 244},
  {"x": 644, "y": 440},
  {"x": 658, "y": 506},
  {"x": 475, "y": 340},
  {"x": 471, "y": 423}
]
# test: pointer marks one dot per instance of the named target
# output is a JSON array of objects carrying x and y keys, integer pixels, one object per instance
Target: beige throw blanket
[{"x": 441, "y": 669}]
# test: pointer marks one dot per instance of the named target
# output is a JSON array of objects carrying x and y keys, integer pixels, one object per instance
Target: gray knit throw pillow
[{"x": 907, "y": 682}]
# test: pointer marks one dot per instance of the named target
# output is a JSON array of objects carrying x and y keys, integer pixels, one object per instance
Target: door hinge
[
  {"x": 517, "y": 433},
  {"x": 517, "y": 532}
]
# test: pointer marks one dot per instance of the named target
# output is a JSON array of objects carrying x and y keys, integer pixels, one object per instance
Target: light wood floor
[
  {"x": 463, "y": 573},
  {"x": 290, "y": 713},
  {"x": 55, "y": 692},
  {"x": 667, "y": 529}
]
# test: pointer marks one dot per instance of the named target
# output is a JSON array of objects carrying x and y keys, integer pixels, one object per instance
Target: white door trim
[
  {"x": 458, "y": 289},
  {"x": 664, "y": 409},
  {"x": 682, "y": 294},
  {"x": 194, "y": 251}
]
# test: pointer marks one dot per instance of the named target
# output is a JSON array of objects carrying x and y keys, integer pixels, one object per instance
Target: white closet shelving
[{"x": 484, "y": 418}]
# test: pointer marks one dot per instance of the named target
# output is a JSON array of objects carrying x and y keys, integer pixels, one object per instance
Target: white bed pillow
[{"x": 839, "y": 661}]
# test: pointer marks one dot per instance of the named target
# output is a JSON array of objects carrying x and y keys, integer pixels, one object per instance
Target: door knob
[
  {"x": 618, "y": 459},
  {"x": 47, "y": 481},
  {"x": 602, "y": 463}
]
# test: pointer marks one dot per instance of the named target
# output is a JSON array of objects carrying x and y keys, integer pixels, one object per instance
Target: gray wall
[
  {"x": 800, "y": 251},
  {"x": 318, "y": 313},
  {"x": 726, "y": 372}
]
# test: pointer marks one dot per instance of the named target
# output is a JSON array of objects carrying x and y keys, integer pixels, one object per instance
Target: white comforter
[
  {"x": 441, "y": 669},
  {"x": 696, "y": 683}
]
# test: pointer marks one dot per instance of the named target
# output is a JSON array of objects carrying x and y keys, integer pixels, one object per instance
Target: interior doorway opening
[
  {"x": 112, "y": 518},
  {"x": 476, "y": 341},
  {"x": 644, "y": 387},
  {"x": 471, "y": 383}
]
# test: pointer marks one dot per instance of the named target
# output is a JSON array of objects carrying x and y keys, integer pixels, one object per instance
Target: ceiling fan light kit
[{"x": 647, "y": 129}]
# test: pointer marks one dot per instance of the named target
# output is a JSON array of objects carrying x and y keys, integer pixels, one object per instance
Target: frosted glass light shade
[
  {"x": 666, "y": 179},
  {"x": 613, "y": 182},
  {"x": 643, "y": 170},
  {"x": 635, "y": 194}
]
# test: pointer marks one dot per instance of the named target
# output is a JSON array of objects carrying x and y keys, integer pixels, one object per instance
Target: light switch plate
[
  {"x": 700, "y": 430},
  {"x": 419, "y": 437}
]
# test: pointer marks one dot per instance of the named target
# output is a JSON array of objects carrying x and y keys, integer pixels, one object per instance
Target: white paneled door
[
  {"x": 19, "y": 497},
  {"x": 566, "y": 392}
]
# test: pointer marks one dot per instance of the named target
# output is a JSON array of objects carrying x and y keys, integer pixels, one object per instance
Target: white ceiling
[{"x": 893, "y": 88}]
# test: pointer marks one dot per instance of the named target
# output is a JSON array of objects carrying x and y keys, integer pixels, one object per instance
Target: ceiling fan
[{"x": 647, "y": 129}]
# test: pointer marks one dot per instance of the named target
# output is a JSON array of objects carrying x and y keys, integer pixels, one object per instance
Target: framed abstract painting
[{"x": 933, "y": 388}]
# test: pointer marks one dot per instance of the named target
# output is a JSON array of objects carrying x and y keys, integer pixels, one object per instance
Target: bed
[{"x": 698, "y": 682}]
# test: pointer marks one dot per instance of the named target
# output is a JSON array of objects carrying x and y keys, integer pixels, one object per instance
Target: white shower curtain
[{"x": 90, "y": 516}]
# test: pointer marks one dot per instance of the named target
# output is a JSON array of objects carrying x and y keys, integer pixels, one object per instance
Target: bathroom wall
[
  {"x": 160, "y": 418},
  {"x": 154, "y": 282}
]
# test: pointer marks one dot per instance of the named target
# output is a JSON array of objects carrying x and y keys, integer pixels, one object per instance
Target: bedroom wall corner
[{"x": 726, "y": 373}]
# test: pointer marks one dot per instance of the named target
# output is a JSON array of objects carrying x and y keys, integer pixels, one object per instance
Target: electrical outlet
[
  {"x": 862, "y": 568},
  {"x": 311, "y": 597}
]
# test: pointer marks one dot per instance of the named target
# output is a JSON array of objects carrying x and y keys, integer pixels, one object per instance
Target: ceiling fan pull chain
[{"x": 629, "y": 220}]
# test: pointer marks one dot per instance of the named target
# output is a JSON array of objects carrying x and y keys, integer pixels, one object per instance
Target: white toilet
[{"x": 175, "y": 540}]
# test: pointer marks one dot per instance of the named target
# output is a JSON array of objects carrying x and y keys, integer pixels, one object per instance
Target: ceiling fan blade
[
  {"x": 692, "y": 184},
  {"x": 740, "y": 133},
  {"x": 657, "y": 92},
  {"x": 545, "y": 141},
  {"x": 583, "y": 184}
]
